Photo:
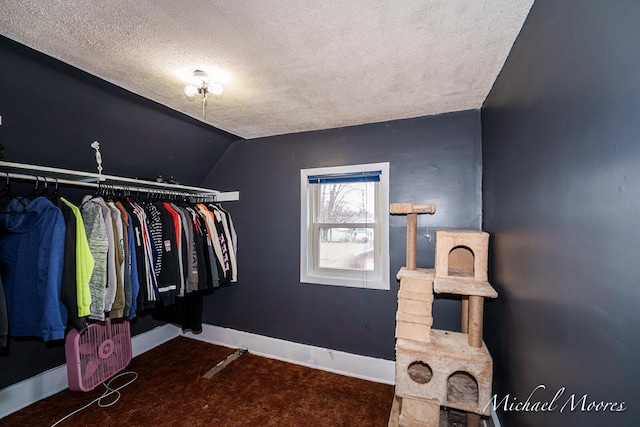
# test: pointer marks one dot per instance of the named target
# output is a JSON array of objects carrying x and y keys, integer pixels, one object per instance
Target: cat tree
[{"x": 437, "y": 368}]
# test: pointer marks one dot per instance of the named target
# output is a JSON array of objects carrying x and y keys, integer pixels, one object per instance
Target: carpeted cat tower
[{"x": 438, "y": 370}]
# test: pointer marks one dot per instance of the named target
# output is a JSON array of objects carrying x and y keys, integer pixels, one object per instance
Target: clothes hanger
[
  {"x": 6, "y": 192},
  {"x": 36, "y": 190},
  {"x": 56, "y": 192},
  {"x": 45, "y": 191},
  {"x": 6, "y": 189},
  {"x": 109, "y": 193},
  {"x": 98, "y": 192}
]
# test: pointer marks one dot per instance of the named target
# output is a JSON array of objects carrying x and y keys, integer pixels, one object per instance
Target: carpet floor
[{"x": 250, "y": 391}]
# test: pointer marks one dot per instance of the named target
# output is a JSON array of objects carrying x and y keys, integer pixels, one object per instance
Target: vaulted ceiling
[{"x": 286, "y": 65}]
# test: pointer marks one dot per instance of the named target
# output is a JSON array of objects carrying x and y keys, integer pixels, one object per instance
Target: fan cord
[{"x": 108, "y": 392}]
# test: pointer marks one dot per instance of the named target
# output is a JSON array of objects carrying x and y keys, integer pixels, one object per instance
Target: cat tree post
[
  {"x": 476, "y": 305},
  {"x": 464, "y": 318},
  {"x": 411, "y": 211},
  {"x": 412, "y": 240}
]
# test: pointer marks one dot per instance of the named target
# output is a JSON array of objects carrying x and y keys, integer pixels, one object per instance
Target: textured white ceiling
[{"x": 287, "y": 65}]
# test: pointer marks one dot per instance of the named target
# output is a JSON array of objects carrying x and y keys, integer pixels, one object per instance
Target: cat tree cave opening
[
  {"x": 462, "y": 388},
  {"x": 420, "y": 372},
  {"x": 461, "y": 262}
]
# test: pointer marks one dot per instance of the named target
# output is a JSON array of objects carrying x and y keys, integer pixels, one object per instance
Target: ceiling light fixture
[{"x": 204, "y": 88}]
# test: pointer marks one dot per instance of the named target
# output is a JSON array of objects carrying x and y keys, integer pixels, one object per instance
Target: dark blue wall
[
  {"x": 561, "y": 197},
  {"x": 51, "y": 113},
  {"x": 432, "y": 159}
]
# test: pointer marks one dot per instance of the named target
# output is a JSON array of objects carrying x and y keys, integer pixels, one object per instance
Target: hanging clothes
[
  {"x": 199, "y": 277},
  {"x": 188, "y": 248},
  {"x": 227, "y": 237},
  {"x": 159, "y": 255},
  {"x": 133, "y": 268},
  {"x": 168, "y": 271},
  {"x": 96, "y": 231},
  {"x": 111, "y": 282},
  {"x": 150, "y": 254},
  {"x": 127, "y": 279},
  {"x": 31, "y": 260},
  {"x": 62, "y": 264},
  {"x": 84, "y": 262},
  {"x": 232, "y": 228},
  {"x": 212, "y": 266},
  {"x": 117, "y": 308},
  {"x": 137, "y": 255},
  {"x": 224, "y": 268},
  {"x": 180, "y": 245},
  {"x": 212, "y": 262},
  {"x": 186, "y": 312},
  {"x": 68, "y": 286}
]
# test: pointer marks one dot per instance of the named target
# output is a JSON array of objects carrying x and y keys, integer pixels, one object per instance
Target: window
[{"x": 344, "y": 237}]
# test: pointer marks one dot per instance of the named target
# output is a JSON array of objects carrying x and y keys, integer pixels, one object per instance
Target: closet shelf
[{"x": 25, "y": 171}]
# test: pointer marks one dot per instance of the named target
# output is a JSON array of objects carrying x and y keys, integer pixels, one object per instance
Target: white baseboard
[
  {"x": 151, "y": 339},
  {"x": 48, "y": 383},
  {"x": 353, "y": 365}
]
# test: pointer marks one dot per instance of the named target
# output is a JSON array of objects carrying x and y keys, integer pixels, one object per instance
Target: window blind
[{"x": 368, "y": 176}]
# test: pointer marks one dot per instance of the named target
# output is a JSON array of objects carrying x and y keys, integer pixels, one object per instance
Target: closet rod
[
  {"x": 88, "y": 177},
  {"x": 60, "y": 171},
  {"x": 107, "y": 187},
  {"x": 48, "y": 179}
]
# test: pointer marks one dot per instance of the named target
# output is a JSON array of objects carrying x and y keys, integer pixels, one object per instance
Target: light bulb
[
  {"x": 216, "y": 89},
  {"x": 200, "y": 76},
  {"x": 190, "y": 91}
]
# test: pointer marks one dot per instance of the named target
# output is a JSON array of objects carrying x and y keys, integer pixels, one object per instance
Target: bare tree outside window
[{"x": 346, "y": 219}]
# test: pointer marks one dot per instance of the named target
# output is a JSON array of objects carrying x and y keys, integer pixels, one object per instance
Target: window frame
[{"x": 309, "y": 243}]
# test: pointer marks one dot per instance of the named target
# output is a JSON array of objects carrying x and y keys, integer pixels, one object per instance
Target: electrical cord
[{"x": 108, "y": 392}]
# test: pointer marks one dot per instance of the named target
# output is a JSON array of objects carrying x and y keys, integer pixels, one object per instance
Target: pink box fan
[{"x": 96, "y": 353}]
